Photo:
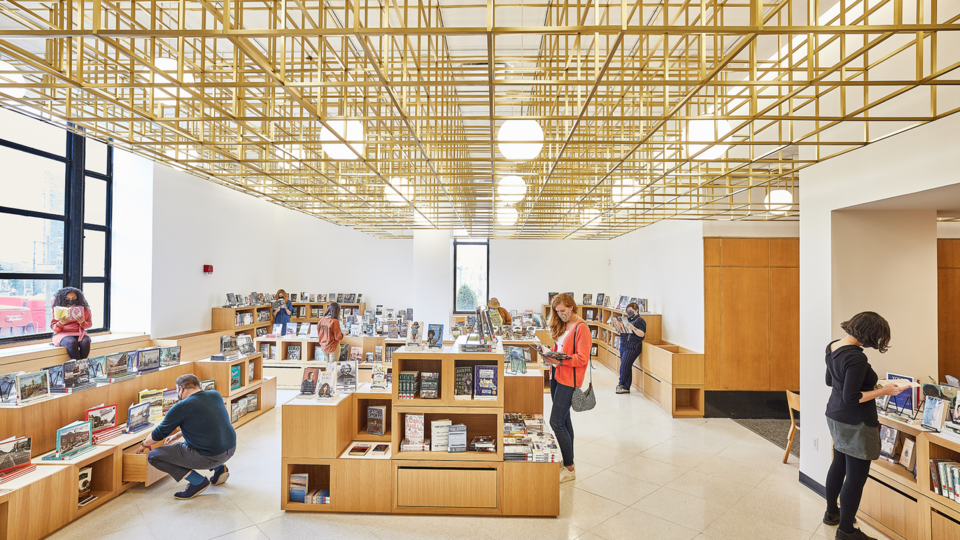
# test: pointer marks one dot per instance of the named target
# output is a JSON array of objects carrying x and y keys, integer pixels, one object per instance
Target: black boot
[
  {"x": 857, "y": 534},
  {"x": 831, "y": 519}
]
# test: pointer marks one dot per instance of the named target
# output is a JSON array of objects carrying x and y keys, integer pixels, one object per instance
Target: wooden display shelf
[
  {"x": 321, "y": 475},
  {"x": 219, "y": 372},
  {"x": 102, "y": 460},
  {"x": 266, "y": 391},
  {"x": 39, "y": 503},
  {"x": 312, "y": 428},
  {"x": 527, "y": 488},
  {"x": 479, "y": 421},
  {"x": 226, "y": 318},
  {"x": 445, "y": 361}
]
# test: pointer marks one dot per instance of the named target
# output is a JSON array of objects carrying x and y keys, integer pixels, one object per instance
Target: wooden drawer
[
  {"x": 892, "y": 508},
  {"x": 458, "y": 487},
  {"x": 135, "y": 468},
  {"x": 943, "y": 527}
]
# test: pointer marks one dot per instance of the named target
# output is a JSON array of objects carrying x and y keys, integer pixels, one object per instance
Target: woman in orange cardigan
[{"x": 573, "y": 338}]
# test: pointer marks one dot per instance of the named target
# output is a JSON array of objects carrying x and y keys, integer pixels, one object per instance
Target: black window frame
[
  {"x": 472, "y": 242},
  {"x": 74, "y": 226}
]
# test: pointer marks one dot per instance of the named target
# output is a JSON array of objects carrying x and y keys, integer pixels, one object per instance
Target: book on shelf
[
  {"x": 429, "y": 385},
  {"x": 359, "y": 449},
  {"x": 356, "y": 354},
  {"x": 413, "y": 428},
  {"x": 327, "y": 385},
  {"x": 457, "y": 438},
  {"x": 293, "y": 352},
  {"x": 483, "y": 443},
  {"x": 485, "y": 382},
  {"x": 308, "y": 381},
  {"x": 439, "y": 430},
  {"x": 378, "y": 354},
  {"x": 376, "y": 419},
  {"x": 463, "y": 383},
  {"x": 236, "y": 377},
  {"x": 85, "y": 484},
  {"x": 304, "y": 330},
  {"x": 298, "y": 487},
  {"x": 587, "y": 299},
  {"x": 600, "y": 299},
  {"x": 347, "y": 376},
  {"x": 907, "y": 457},
  {"x": 378, "y": 377},
  {"x": 380, "y": 449},
  {"x": 435, "y": 336},
  {"x": 934, "y": 413},
  {"x": 155, "y": 399},
  {"x": 888, "y": 442},
  {"x": 273, "y": 352},
  {"x": 407, "y": 445},
  {"x": 415, "y": 335},
  {"x": 408, "y": 384}
]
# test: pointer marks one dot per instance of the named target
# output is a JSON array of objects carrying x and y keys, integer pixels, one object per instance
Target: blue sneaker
[
  {"x": 192, "y": 490},
  {"x": 220, "y": 478}
]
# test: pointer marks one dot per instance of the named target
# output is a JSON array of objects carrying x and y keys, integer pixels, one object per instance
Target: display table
[{"x": 317, "y": 436}]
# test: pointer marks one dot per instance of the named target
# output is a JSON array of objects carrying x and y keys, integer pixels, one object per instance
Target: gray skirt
[{"x": 856, "y": 440}]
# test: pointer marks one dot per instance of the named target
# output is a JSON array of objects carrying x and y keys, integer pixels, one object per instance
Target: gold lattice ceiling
[{"x": 620, "y": 89}]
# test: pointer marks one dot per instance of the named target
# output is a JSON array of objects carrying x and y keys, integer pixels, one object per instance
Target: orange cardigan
[{"x": 564, "y": 374}]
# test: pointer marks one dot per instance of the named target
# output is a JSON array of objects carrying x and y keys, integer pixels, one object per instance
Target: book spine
[
  {"x": 935, "y": 476},
  {"x": 943, "y": 478}
]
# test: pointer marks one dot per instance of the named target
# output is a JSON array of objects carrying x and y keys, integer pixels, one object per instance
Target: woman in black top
[{"x": 852, "y": 417}]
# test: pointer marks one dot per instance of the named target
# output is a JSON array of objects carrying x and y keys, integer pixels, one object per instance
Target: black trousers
[
  {"x": 76, "y": 349},
  {"x": 845, "y": 479}
]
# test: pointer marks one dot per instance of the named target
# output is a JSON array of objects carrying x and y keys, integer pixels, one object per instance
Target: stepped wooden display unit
[
  {"x": 225, "y": 319},
  {"x": 289, "y": 372},
  {"x": 901, "y": 506},
  {"x": 45, "y": 500},
  {"x": 316, "y": 435},
  {"x": 672, "y": 377}
]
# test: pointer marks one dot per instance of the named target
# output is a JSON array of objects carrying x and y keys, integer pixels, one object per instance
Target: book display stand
[{"x": 318, "y": 436}]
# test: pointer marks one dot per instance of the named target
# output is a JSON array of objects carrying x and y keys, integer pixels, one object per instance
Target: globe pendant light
[
  {"x": 511, "y": 189},
  {"x": 623, "y": 190},
  {"x": 14, "y": 78},
  {"x": 348, "y": 130},
  {"x": 520, "y": 130},
  {"x": 395, "y": 197},
  {"x": 778, "y": 201},
  {"x": 702, "y": 130},
  {"x": 507, "y": 216}
]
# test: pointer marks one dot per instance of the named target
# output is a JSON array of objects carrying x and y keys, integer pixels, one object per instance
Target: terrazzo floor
[{"x": 640, "y": 475}]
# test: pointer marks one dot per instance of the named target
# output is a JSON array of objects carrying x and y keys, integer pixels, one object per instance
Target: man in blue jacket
[{"x": 209, "y": 439}]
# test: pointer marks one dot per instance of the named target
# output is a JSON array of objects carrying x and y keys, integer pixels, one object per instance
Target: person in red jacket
[
  {"x": 68, "y": 332},
  {"x": 573, "y": 338}
]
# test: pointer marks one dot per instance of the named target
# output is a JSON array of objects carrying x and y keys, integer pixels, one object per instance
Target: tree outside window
[{"x": 471, "y": 274}]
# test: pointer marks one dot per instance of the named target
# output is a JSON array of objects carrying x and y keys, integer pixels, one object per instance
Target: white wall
[
  {"x": 920, "y": 159},
  {"x": 522, "y": 272},
  {"x": 664, "y": 263},
  {"x": 432, "y": 282},
  {"x": 752, "y": 229}
]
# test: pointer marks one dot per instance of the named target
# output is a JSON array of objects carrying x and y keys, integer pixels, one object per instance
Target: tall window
[
  {"x": 471, "y": 273},
  {"x": 54, "y": 225}
]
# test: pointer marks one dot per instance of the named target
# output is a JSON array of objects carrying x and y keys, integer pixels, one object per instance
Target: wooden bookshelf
[
  {"x": 219, "y": 372},
  {"x": 316, "y": 435}
]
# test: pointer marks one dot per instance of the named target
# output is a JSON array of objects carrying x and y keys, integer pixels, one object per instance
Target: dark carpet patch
[{"x": 775, "y": 431}]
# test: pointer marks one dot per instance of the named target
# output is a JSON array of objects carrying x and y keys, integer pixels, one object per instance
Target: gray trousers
[{"x": 178, "y": 459}]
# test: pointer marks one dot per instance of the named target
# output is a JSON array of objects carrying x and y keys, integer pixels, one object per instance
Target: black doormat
[{"x": 773, "y": 430}]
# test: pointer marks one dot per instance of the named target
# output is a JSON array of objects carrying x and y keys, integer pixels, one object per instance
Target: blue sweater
[{"x": 204, "y": 421}]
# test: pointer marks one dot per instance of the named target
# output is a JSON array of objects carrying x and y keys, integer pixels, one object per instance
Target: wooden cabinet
[
  {"x": 363, "y": 485},
  {"x": 317, "y": 429},
  {"x": 751, "y": 314},
  {"x": 524, "y": 485},
  {"x": 891, "y": 507}
]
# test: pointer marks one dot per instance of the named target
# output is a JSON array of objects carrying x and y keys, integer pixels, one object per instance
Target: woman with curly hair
[{"x": 67, "y": 332}]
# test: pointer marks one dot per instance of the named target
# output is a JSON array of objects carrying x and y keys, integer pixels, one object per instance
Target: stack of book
[
  {"x": 946, "y": 478},
  {"x": 483, "y": 443},
  {"x": 318, "y": 496},
  {"x": 414, "y": 440},
  {"x": 525, "y": 438}
]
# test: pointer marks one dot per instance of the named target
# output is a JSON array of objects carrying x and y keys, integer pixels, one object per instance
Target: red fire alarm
[{"x": 208, "y": 269}]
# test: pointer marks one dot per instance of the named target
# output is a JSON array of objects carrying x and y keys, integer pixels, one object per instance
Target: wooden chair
[{"x": 793, "y": 403}]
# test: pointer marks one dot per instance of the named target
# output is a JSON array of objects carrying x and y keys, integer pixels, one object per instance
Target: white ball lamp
[
  {"x": 703, "y": 130},
  {"x": 520, "y": 130},
  {"x": 507, "y": 216},
  {"x": 511, "y": 189},
  {"x": 778, "y": 201},
  {"x": 348, "y": 130}
]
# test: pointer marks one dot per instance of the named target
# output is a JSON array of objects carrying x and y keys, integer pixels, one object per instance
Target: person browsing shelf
[
  {"x": 209, "y": 439},
  {"x": 631, "y": 343},
  {"x": 281, "y": 315},
  {"x": 69, "y": 332},
  {"x": 330, "y": 334},
  {"x": 573, "y": 338},
  {"x": 852, "y": 418},
  {"x": 497, "y": 311}
]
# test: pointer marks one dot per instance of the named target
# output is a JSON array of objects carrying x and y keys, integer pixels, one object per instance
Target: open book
[
  {"x": 898, "y": 382},
  {"x": 555, "y": 355}
]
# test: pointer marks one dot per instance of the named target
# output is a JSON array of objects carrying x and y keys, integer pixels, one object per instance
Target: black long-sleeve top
[{"x": 850, "y": 374}]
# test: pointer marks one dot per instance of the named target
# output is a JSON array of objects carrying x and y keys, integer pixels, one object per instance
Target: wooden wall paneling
[
  {"x": 785, "y": 252},
  {"x": 785, "y": 329},
  {"x": 745, "y": 252},
  {"x": 654, "y": 330},
  {"x": 711, "y": 329},
  {"x": 711, "y": 252},
  {"x": 948, "y": 320},
  {"x": 744, "y": 348}
]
